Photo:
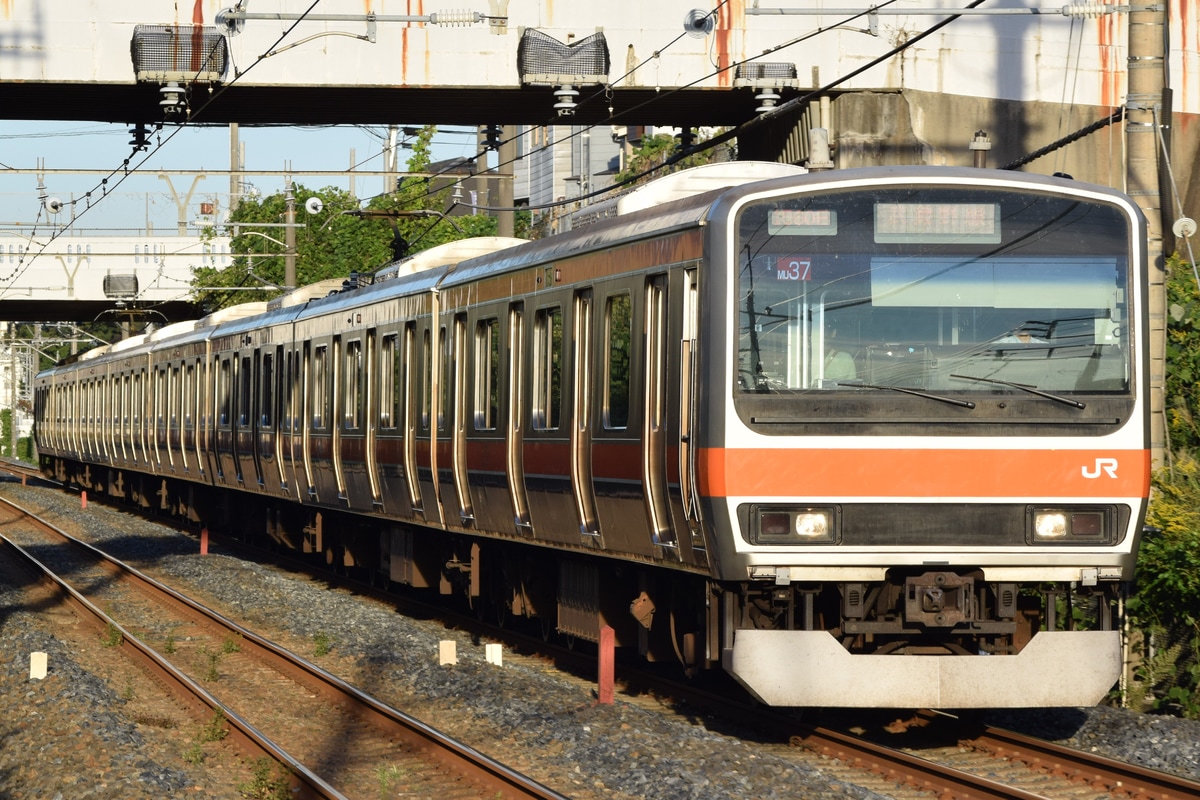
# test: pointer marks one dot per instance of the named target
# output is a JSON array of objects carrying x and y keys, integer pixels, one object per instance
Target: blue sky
[{"x": 144, "y": 196}]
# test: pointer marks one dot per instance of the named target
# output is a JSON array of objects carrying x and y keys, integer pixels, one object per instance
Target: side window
[
  {"x": 547, "y": 368},
  {"x": 174, "y": 396},
  {"x": 266, "y": 408},
  {"x": 244, "y": 389},
  {"x": 320, "y": 386},
  {"x": 223, "y": 387},
  {"x": 447, "y": 378},
  {"x": 352, "y": 395},
  {"x": 487, "y": 374},
  {"x": 391, "y": 387},
  {"x": 426, "y": 379},
  {"x": 618, "y": 325},
  {"x": 189, "y": 393},
  {"x": 160, "y": 397}
]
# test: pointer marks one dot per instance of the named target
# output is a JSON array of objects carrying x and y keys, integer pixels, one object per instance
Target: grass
[
  {"x": 389, "y": 777},
  {"x": 270, "y": 782},
  {"x": 112, "y": 636}
]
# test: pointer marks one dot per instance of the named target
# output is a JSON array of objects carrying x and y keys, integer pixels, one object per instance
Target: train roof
[
  {"x": 447, "y": 254},
  {"x": 683, "y": 184},
  {"x": 129, "y": 344},
  {"x": 302, "y": 294},
  {"x": 174, "y": 329},
  {"x": 231, "y": 313}
]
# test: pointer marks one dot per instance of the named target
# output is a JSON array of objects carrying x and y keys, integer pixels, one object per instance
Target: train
[{"x": 869, "y": 437}]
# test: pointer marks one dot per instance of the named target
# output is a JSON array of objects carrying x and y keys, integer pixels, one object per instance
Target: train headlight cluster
[
  {"x": 1070, "y": 526},
  {"x": 776, "y": 525}
]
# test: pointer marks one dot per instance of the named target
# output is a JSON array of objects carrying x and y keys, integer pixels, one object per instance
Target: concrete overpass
[
  {"x": 679, "y": 62},
  {"x": 102, "y": 278},
  {"x": 620, "y": 63}
]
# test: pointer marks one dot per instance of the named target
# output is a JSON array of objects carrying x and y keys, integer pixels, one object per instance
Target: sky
[{"x": 143, "y": 198}]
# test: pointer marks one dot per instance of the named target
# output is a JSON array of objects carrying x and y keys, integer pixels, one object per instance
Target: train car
[{"x": 860, "y": 438}]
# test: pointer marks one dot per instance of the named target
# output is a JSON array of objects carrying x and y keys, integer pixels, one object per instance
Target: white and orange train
[{"x": 860, "y": 438}]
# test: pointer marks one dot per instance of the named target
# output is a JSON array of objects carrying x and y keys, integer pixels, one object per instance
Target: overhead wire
[
  {"x": 662, "y": 96},
  {"x": 124, "y": 171},
  {"x": 761, "y": 118}
]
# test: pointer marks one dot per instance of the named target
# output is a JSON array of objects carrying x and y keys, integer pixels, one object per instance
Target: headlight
[
  {"x": 1070, "y": 526},
  {"x": 774, "y": 525},
  {"x": 1049, "y": 525}
]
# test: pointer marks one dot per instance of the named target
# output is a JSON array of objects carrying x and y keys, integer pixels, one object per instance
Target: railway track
[
  {"x": 954, "y": 763},
  {"x": 330, "y": 737}
]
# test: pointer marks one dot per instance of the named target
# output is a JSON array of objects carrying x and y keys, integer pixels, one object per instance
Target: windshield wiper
[
  {"x": 1024, "y": 387},
  {"x": 917, "y": 392}
]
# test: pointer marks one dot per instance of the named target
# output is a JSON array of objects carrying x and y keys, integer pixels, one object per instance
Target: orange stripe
[{"x": 923, "y": 473}]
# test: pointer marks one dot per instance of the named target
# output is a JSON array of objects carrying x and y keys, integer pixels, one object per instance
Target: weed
[
  {"x": 169, "y": 647},
  {"x": 112, "y": 636},
  {"x": 322, "y": 643},
  {"x": 388, "y": 777},
  {"x": 194, "y": 754},
  {"x": 214, "y": 730},
  {"x": 127, "y": 692},
  {"x": 270, "y": 782},
  {"x": 208, "y": 665},
  {"x": 230, "y": 645}
]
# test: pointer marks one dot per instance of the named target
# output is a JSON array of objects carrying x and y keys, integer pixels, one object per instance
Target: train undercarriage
[{"x": 661, "y": 614}]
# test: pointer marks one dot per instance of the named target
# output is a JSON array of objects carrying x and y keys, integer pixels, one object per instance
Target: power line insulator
[{"x": 140, "y": 140}]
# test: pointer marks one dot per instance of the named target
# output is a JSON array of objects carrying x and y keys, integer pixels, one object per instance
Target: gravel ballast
[{"x": 76, "y": 722}]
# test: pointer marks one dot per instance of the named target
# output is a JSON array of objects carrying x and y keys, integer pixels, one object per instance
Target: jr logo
[{"x": 1106, "y": 465}]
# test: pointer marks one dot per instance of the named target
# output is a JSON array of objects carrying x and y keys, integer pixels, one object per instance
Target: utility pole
[
  {"x": 289, "y": 240},
  {"x": 235, "y": 165},
  {"x": 12, "y": 395},
  {"x": 1143, "y": 110},
  {"x": 507, "y": 156}
]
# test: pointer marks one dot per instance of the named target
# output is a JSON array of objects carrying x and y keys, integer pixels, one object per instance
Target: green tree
[
  {"x": 654, "y": 151},
  {"x": 1166, "y": 604},
  {"x": 1183, "y": 356},
  {"x": 345, "y": 237}
]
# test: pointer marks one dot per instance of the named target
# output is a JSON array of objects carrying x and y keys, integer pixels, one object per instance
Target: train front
[{"x": 924, "y": 448}]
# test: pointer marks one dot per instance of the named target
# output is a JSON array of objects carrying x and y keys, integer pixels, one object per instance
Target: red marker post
[
  {"x": 204, "y": 541},
  {"x": 608, "y": 642}
]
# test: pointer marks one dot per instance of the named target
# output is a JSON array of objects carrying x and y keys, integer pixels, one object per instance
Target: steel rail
[
  {"x": 463, "y": 759},
  {"x": 179, "y": 685},
  {"x": 1100, "y": 772}
]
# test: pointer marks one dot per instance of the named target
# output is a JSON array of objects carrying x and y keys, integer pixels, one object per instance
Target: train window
[
  {"x": 244, "y": 389},
  {"x": 407, "y": 363},
  {"x": 547, "y": 369},
  {"x": 160, "y": 396},
  {"x": 390, "y": 386},
  {"x": 487, "y": 373},
  {"x": 115, "y": 403},
  {"x": 189, "y": 393},
  {"x": 444, "y": 380},
  {"x": 139, "y": 400},
  {"x": 352, "y": 394},
  {"x": 294, "y": 392},
  {"x": 266, "y": 408},
  {"x": 223, "y": 393},
  {"x": 618, "y": 325},
  {"x": 320, "y": 391},
  {"x": 174, "y": 396},
  {"x": 426, "y": 379}
]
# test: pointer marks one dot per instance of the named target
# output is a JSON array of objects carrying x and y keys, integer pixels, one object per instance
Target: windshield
[{"x": 939, "y": 289}]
